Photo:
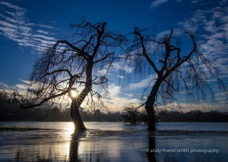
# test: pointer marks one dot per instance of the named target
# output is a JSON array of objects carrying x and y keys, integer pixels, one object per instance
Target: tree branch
[
  {"x": 103, "y": 58},
  {"x": 79, "y": 51},
  {"x": 137, "y": 32}
]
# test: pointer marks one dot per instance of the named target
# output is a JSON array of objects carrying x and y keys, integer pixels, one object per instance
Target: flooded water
[{"x": 114, "y": 141}]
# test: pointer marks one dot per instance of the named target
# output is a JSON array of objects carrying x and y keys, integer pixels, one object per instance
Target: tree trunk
[
  {"x": 150, "y": 103},
  {"x": 76, "y": 116},
  {"x": 151, "y": 115},
  {"x": 76, "y": 102}
]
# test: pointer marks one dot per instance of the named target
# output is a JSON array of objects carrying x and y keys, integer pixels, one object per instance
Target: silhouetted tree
[
  {"x": 131, "y": 115},
  {"x": 172, "y": 68},
  {"x": 77, "y": 64}
]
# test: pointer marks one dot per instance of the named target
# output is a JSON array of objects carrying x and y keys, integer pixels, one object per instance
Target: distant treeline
[
  {"x": 9, "y": 111},
  {"x": 192, "y": 116}
]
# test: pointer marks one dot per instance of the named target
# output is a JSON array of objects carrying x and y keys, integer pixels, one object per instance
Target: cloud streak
[
  {"x": 212, "y": 26},
  {"x": 116, "y": 100},
  {"x": 143, "y": 83},
  {"x": 157, "y": 3},
  {"x": 16, "y": 27}
]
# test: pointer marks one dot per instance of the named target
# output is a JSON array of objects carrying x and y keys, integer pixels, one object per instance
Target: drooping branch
[
  {"x": 26, "y": 104},
  {"x": 72, "y": 65},
  {"x": 175, "y": 68},
  {"x": 194, "y": 49},
  {"x": 145, "y": 54},
  {"x": 100, "y": 32},
  {"x": 109, "y": 55},
  {"x": 79, "y": 51}
]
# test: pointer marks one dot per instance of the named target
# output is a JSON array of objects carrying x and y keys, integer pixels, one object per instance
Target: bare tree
[
  {"x": 67, "y": 67},
  {"x": 174, "y": 69}
]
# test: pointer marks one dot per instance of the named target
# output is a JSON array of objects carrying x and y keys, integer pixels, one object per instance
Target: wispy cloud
[
  {"x": 17, "y": 8},
  {"x": 3, "y": 85},
  {"x": 212, "y": 26},
  {"x": 157, "y": 3},
  {"x": 117, "y": 101},
  {"x": 143, "y": 83},
  {"x": 115, "y": 67},
  {"x": 122, "y": 65},
  {"x": 14, "y": 25}
]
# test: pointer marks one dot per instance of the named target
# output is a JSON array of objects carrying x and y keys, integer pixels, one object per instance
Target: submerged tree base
[
  {"x": 151, "y": 129},
  {"x": 77, "y": 130}
]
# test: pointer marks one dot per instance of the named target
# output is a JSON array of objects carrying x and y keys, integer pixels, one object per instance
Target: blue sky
[{"x": 28, "y": 27}]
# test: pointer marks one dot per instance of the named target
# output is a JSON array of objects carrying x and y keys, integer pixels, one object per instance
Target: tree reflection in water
[
  {"x": 95, "y": 145},
  {"x": 120, "y": 146},
  {"x": 74, "y": 144},
  {"x": 151, "y": 147},
  {"x": 94, "y": 153}
]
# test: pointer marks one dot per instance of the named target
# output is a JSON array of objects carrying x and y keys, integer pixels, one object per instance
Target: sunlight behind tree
[
  {"x": 74, "y": 64},
  {"x": 73, "y": 93}
]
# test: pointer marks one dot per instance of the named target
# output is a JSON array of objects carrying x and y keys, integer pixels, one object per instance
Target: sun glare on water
[{"x": 69, "y": 129}]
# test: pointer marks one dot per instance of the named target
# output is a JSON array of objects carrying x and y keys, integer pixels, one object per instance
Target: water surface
[{"x": 114, "y": 141}]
